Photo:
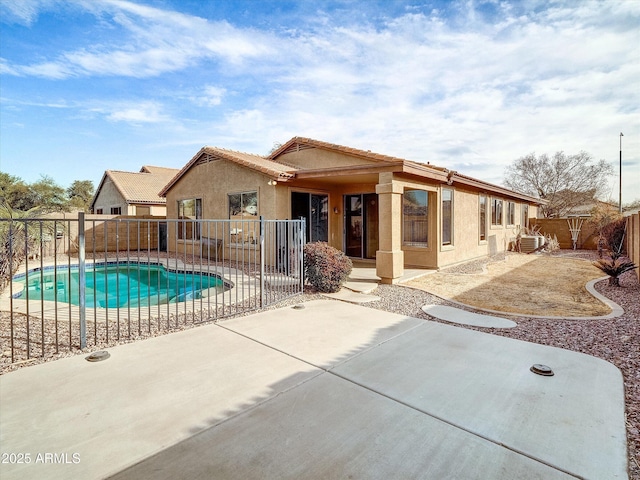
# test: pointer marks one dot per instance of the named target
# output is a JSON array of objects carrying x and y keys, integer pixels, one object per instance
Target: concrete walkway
[{"x": 332, "y": 390}]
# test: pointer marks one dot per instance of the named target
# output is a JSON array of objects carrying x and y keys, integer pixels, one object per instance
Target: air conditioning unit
[{"x": 529, "y": 243}]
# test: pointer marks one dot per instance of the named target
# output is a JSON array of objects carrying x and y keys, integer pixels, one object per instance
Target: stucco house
[
  {"x": 133, "y": 193},
  {"x": 393, "y": 211}
]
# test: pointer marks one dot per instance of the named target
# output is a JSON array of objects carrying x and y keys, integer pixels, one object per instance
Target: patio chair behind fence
[{"x": 71, "y": 283}]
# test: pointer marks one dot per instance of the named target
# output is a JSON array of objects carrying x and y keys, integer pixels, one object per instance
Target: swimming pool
[{"x": 114, "y": 285}]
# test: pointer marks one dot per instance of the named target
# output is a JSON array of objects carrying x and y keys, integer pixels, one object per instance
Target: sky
[{"x": 91, "y": 85}]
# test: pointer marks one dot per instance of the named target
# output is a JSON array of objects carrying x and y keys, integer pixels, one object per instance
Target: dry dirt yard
[{"x": 522, "y": 284}]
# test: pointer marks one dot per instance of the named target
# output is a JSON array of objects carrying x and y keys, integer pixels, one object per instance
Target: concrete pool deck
[{"x": 331, "y": 390}]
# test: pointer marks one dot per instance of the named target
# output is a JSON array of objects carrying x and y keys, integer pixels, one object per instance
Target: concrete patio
[{"x": 331, "y": 390}]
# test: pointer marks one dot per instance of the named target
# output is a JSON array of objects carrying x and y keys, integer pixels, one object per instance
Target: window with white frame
[
  {"x": 511, "y": 213},
  {"x": 189, "y": 210},
  {"x": 525, "y": 216},
  {"x": 483, "y": 218},
  {"x": 243, "y": 206},
  {"x": 447, "y": 216},
  {"x": 415, "y": 218},
  {"x": 496, "y": 211}
]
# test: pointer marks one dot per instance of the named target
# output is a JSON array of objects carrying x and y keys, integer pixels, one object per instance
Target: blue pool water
[{"x": 117, "y": 285}]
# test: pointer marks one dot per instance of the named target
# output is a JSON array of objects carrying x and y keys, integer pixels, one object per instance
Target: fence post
[
  {"x": 261, "y": 261},
  {"x": 82, "y": 281},
  {"x": 303, "y": 242}
]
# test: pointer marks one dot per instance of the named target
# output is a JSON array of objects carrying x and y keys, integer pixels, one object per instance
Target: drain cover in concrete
[{"x": 456, "y": 315}]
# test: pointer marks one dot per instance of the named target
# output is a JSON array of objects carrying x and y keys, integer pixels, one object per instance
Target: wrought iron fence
[{"x": 72, "y": 283}]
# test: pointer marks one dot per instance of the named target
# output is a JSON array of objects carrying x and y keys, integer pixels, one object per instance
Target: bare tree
[{"x": 564, "y": 181}]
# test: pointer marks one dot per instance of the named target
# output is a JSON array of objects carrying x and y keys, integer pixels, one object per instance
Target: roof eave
[
  {"x": 472, "y": 182},
  {"x": 178, "y": 176}
]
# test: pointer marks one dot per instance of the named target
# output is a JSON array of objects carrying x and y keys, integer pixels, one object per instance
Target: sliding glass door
[
  {"x": 314, "y": 208},
  {"x": 361, "y": 225}
]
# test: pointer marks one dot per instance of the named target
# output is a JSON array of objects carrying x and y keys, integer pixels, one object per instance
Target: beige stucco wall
[
  {"x": 312, "y": 158},
  {"x": 466, "y": 243},
  {"x": 153, "y": 210},
  {"x": 213, "y": 181},
  {"x": 109, "y": 197},
  {"x": 417, "y": 256}
]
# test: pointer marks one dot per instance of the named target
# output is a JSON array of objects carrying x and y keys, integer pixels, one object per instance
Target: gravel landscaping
[{"x": 614, "y": 340}]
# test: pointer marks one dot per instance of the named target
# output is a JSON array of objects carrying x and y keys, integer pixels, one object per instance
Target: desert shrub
[
  {"x": 17, "y": 240},
  {"x": 551, "y": 243},
  {"x": 613, "y": 236},
  {"x": 326, "y": 268},
  {"x": 614, "y": 268}
]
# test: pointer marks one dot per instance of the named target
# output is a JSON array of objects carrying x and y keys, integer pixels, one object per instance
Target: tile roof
[
  {"x": 142, "y": 186},
  {"x": 272, "y": 166},
  {"x": 426, "y": 167},
  {"x": 263, "y": 164},
  {"x": 166, "y": 171},
  {"x": 335, "y": 147},
  {"x": 255, "y": 162}
]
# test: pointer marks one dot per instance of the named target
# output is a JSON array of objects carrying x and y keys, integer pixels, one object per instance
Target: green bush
[{"x": 326, "y": 268}]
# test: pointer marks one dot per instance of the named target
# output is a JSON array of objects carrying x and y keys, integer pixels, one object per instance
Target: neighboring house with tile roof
[
  {"x": 133, "y": 193},
  {"x": 373, "y": 207}
]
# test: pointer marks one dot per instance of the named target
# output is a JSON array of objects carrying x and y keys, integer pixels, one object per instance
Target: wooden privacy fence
[{"x": 633, "y": 239}]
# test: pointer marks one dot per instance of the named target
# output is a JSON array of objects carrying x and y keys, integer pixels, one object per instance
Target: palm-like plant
[
  {"x": 614, "y": 268},
  {"x": 15, "y": 241}
]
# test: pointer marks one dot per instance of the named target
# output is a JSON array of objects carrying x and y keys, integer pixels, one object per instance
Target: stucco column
[{"x": 390, "y": 257}]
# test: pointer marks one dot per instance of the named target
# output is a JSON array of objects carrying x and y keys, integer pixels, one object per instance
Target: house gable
[
  {"x": 132, "y": 188},
  {"x": 108, "y": 196},
  {"x": 211, "y": 181},
  {"x": 308, "y": 154},
  {"x": 266, "y": 166}
]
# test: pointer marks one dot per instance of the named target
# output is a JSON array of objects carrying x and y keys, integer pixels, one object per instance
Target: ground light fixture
[
  {"x": 97, "y": 356},
  {"x": 543, "y": 370}
]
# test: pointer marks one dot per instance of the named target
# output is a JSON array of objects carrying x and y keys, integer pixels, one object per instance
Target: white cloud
[
  {"x": 24, "y": 12},
  {"x": 152, "y": 42},
  {"x": 141, "y": 113},
  {"x": 214, "y": 94},
  {"x": 469, "y": 90}
]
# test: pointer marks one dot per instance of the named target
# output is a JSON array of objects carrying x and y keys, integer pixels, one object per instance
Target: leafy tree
[
  {"x": 14, "y": 192},
  {"x": 80, "y": 194},
  {"x": 564, "y": 181},
  {"x": 45, "y": 194},
  {"x": 48, "y": 195}
]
